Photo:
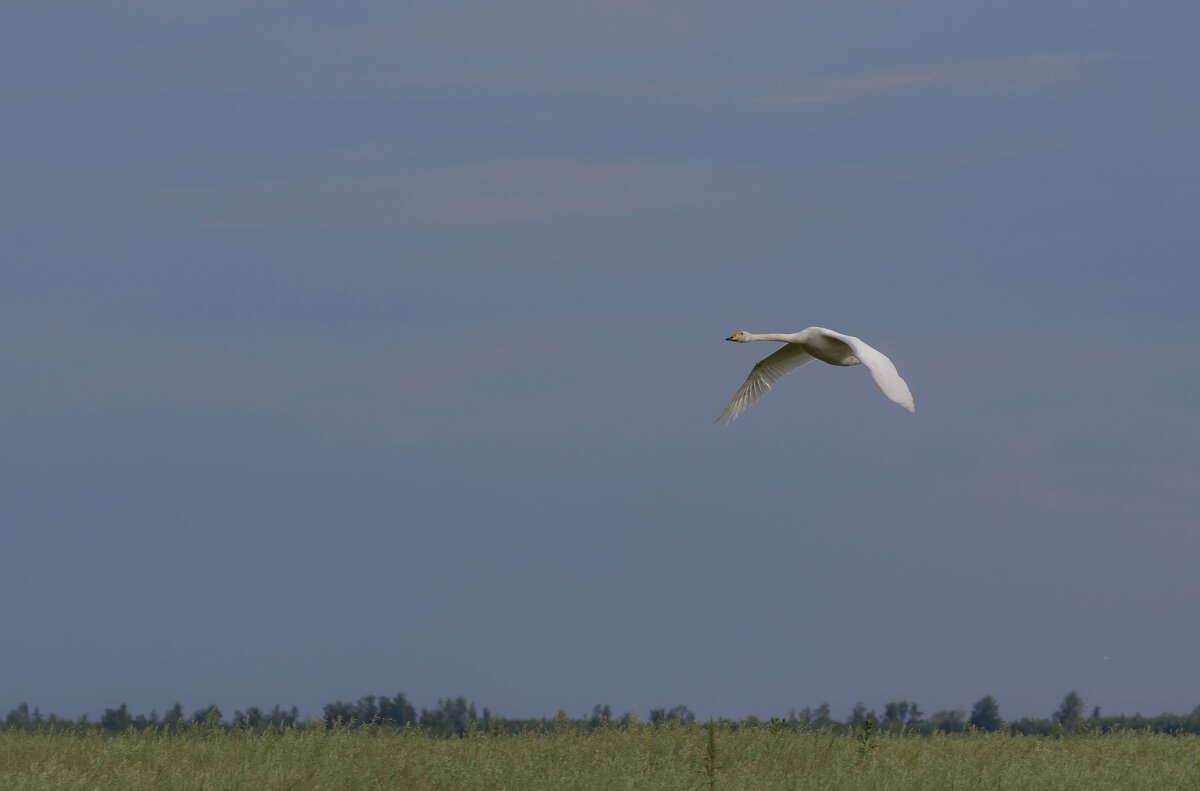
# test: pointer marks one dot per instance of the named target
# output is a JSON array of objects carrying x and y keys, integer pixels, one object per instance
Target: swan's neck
[{"x": 771, "y": 336}]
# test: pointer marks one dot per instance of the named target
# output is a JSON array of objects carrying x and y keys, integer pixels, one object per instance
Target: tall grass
[{"x": 676, "y": 756}]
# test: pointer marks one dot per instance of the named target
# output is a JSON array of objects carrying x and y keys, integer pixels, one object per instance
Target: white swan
[{"x": 814, "y": 343}]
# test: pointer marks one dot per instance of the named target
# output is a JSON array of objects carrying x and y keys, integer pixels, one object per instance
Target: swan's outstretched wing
[
  {"x": 881, "y": 368},
  {"x": 765, "y": 372}
]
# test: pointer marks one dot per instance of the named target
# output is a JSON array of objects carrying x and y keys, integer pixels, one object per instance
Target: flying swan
[{"x": 814, "y": 343}]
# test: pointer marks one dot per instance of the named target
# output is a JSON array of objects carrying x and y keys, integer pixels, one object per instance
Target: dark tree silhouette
[
  {"x": 681, "y": 713},
  {"x": 450, "y": 718},
  {"x": 397, "y": 710},
  {"x": 116, "y": 719},
  {"x": 18, "y": 716},
  {"x": 899, "y": 713},
  {"x": 174, "y": 716},
  {"x": 818, "y": 717},
  {"x": 949, "y": 721},
  {"x": 1071, "y": 709},
  {"x": 985, "y": 715},
  {"x": 860, "y": 713}
]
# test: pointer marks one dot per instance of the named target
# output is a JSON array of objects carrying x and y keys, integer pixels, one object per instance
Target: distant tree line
[
  {"x": 907, "y": 717},
  {"x": 119, "y": 719},
  {"x": 456, "y": 716}
]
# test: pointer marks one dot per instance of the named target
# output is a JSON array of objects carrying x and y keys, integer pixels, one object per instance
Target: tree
[
  {"x": 366, "y": 710},
  {"x": 681, "y": 713},
  {"x": 450, "y": 717},
  {"x": 900, "y": 712},
  {"x": 600, "y": 714},
  {"x": 986, "y": 714},
  {"x": 1071, "y": 709},
  {"x": 18, "y": 716},
  {"x": 817, "y": 718},
  {"x": 174, "y": 716},
  {"x": 894, "y": 712},
  {"x": 338, "y": 711},
  {"x": 116, "y": 719},
  {"x": 860, "y": 713},
  {"x": 949, "y": 721},
  {"x": 397, "y": 710},
  {"x": 252, "y": 717}
]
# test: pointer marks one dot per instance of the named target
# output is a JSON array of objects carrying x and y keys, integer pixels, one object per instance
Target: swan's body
[{"x": 814, "y": 343}]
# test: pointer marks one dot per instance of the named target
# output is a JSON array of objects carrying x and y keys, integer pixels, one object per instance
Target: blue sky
[{"x": 364, "y": 347}]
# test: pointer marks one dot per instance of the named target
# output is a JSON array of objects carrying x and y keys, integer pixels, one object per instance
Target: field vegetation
[{"x": 566, "y": 754}]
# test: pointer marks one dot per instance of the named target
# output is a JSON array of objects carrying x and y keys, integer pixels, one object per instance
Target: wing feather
[
  {"x": 882, "y": 370},
  {"x": 765, "y": 372}
]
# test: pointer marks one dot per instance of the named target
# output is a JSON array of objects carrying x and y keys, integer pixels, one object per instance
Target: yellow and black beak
[{"x": 734, "y": 336}]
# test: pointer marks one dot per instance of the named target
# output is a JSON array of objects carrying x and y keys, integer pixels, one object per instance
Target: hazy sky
[{"x": 364, "y": 347}]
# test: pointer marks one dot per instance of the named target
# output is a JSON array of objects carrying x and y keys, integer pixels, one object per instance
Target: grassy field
[{"x": 638, "y": 757}]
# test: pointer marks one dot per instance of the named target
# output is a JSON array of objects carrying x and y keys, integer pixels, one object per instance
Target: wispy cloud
[{"x": 1028, "y": 72}]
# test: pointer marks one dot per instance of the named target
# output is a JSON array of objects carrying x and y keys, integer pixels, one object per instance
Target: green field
[{"x": 676, "y": 756}]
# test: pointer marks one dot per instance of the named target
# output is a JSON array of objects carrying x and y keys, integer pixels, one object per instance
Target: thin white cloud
[{"x": 1028, "y": 72}]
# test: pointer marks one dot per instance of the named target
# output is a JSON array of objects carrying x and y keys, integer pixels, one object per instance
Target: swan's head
[{"x": 739, "y": 337}]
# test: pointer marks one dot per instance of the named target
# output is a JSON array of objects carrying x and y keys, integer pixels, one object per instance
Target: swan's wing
[
  {"x": 882, "y": 370},
  {"x": 765, "y": 372}
]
